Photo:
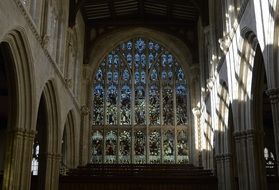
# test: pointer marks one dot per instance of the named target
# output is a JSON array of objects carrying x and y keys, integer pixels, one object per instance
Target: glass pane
[
  {"x": 168, "y": 106},
  {"x": 98, "y": 105},
  {"x": 154, "y": 105},
  {"x": 140, "y": 105},
  {"x": 110, "y": 147},
  {"x": 125, "y": 147},
  {"x": 168, "y": 146},
  {"x": 181, "y": 105},
  {"x": 97, "y": 147},
  {"x": 112, "y": 105},
  {"x": 155, "y": 147},
  {"x": 140, "y": 147},
  {"x": 182, "y": 147}
]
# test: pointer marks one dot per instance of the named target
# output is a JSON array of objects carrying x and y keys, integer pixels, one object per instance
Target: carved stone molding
[
  {"x": 85, "y": 110},
  {"x": 68, "y": 82},
  {"x": 273, "y": 95}
]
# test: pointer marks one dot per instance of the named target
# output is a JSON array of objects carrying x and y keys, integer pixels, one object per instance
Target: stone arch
[
  {"x": 21, "y": 121},
  {"x": 49, "y": 138},
  {"x": 68, "y": 149},
  {"x": 53, "y": 114},
  {"x": 248, "y": 136}
]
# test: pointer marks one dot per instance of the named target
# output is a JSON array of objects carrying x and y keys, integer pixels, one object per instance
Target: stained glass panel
[
  {"x": 169, "y": 147},
  {"x": 110, "y": 147},
  {"x": 139, "y": 106},
  {"x": 155, "y": 147},
  {"x": 182, "y": 147},
  {"x": 140, "y": 147},
  {"x": 125, "y": 147},
  {"x": 97, "y": 147}
]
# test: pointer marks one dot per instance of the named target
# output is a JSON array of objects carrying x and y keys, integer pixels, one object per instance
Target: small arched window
[{"x": 139, "y": 106}]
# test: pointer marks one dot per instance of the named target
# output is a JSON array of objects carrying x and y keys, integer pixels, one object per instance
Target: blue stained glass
[
  {"x": 116, "y": 60},
  {"x": 150, "y": 45},
  {"x": 112, "y": 89},
  {"x": 170, "y": 59},
  {"x": 137, "y": 76},
  {"x": 110, "y": 58},
  {"x": 164, "y": 75},
  {"x": 140, "y": 45},
  {"x": 180, "y": 75},
  {"x": 143, "y": 77},
  {"x": 109, "y": 76},
  {"x": 99, "y": 90},
  {"x": 154, "y": 75},
  {"x": 157, "y": 47},
  {"x": 99, "y": 75},
  {"x": 164, "y": 60},
  {"x": 142, "y": 57},
  {"x": 137, "y": 58},
  {"x": 126, "y": 75},
  {"x": 126, "y": 90},
  {"x": 181, "y": 90},
  {"x": 117, "y": 102},
  {"x": 140, "y": 92},
  {"x": 150, "y": 59},
  {"x": 170, "y": 75},
  {"x": 129, "y": 45},
  {"x": 115, "y": 76},
  {"x": 129, "y": 60}
]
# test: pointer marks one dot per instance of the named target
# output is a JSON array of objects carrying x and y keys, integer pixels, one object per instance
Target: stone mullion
[{"x": 274, "y": 100}]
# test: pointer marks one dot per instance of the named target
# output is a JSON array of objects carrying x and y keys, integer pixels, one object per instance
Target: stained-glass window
[{"x": 139, "y": 106}]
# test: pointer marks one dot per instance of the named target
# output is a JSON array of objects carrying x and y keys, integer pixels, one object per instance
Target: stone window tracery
[{"x": 139, "y": 106}]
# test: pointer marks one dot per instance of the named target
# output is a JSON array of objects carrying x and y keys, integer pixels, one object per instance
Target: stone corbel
[
  {"x": 85, "y": 110},
  {"x": 45, "y": 41},
  {"x": 225, "y": 42},
  {"x": 68, "y": 82},
  {"x": 273, "y": 95},
  {"x": 210, "y": 83}
]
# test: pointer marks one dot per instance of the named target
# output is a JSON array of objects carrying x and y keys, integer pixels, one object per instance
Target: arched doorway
[
  {"x": 68, "y": 149},
  {"x": 5, "y": 102},
  {"x": 38, "y": 167}
]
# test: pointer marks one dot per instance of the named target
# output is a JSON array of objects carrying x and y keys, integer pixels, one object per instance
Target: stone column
[
  {"x": 49, "y": 171},
  {"x": 220, "y": 172},
  {"x": 274, "y": 100},
  {"x": 240, "y": 145},
  {"x": 249, "y": 150},
  {"x": 229, "y": 174},
  {"x": 17, "y": 168},
  {"x": 256, "y": 171},
  {"x": 84, "y": 136},
  {"x": 196, "y": 157}
]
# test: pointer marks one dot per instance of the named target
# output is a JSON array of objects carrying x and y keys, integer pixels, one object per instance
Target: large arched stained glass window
[{"x": 139, "y": 106}]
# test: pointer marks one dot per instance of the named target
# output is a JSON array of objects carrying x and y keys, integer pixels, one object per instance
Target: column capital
[
  {"x": 23, "y": 132},
  {"x": 273, "y": 95}
]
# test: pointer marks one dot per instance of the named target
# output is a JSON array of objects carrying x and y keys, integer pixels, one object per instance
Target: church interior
[{"x": 139, "y": 94}]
